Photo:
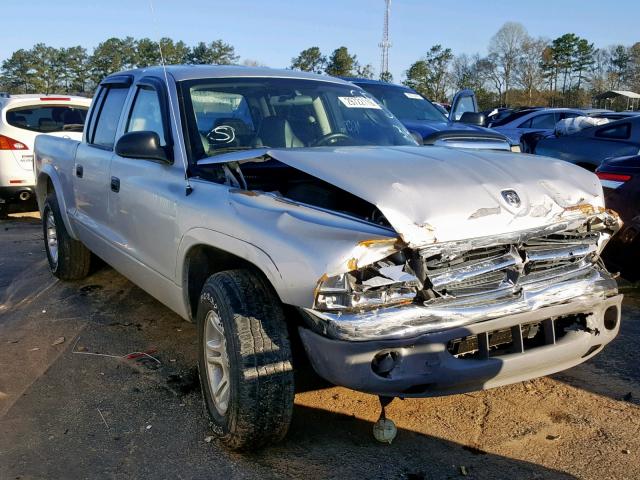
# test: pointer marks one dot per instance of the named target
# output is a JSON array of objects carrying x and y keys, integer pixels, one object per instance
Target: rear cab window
[{"x": 48, "y": 118}]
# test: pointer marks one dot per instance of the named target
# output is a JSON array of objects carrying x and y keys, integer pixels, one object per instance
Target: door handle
[
  {"x": 79, "y": 171},
  {"x": 115, "y": 184}
]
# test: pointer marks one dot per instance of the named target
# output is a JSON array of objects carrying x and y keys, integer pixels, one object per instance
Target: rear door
[{"x": 92, "y": 163}]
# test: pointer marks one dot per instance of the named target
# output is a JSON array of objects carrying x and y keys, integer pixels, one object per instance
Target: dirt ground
[{"x": 68, "y": 413}]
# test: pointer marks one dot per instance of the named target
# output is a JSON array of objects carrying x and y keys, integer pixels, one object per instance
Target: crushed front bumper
[{"x": 426, "y": 365}]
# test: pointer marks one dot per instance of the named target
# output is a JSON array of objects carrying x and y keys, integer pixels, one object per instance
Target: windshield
[
  {"x": 229, "y": 114},
  {"x": 404, "y": 103},
  {"x": 47, "y": 119}
]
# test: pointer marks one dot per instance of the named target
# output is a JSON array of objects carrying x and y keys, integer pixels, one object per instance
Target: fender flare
[
  {"x": 257, "y": 257},
  {"x": 49, "y": 173}
]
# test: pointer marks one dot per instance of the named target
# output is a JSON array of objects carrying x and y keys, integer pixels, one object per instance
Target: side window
[
  {"x": 526, "y": 124},
  {"x": 108, "y": 117},
  {"x": 146, "y": 114},
  {"x": 568, "y": 115},
  {"x": 546, "y": 121},
  {"x": 616, "y": 132}
]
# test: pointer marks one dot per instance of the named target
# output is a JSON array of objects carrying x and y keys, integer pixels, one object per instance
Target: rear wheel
[
  {"x": 244, "y": 360},
  {"x": 68, "y": 259},
  {"x": 4, "y": 210}
]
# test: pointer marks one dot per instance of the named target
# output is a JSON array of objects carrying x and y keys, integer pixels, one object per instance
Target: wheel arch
[
  {"x": 199, "y": 259},
  {"x": 47, "y": 183}
]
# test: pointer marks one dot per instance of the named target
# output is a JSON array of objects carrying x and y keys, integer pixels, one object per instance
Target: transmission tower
[{"x": 385, "y": 44}]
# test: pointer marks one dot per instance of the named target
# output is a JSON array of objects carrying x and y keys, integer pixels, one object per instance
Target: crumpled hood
[{"x": 433, "y": 194}]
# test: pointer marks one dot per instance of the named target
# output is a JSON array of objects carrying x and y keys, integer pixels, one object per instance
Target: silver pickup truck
[{"x": 275, "y": 207}]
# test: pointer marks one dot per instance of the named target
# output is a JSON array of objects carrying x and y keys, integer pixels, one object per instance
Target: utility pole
[{"x": 385, "y": 44}]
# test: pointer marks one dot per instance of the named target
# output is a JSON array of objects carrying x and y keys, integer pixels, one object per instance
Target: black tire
[
  {"x": 73, "y": 258},
  {"x": 4, "y": 211},
  {"x": 261, "y": 385}
]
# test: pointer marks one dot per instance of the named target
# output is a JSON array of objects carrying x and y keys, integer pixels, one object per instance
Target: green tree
[
  {"x": 429, "y": 75},
  {"x": 17, "y": 75},
  {"x": 386, "y": 77},
  {"x": 147, "y": 53},
  {"x": 341, "y": 63},
  {"x": 620, "y": 65},
  {"x": 174, "y": 53},
  {"x": 112, "y": 55},
  {"x": 364, "y": 71},
  {"x": 309, "y": 60},
  {"x": 74, "y": 66},
  {"x": 214, "y": 53},
  {"x": 47, "y": 67}
]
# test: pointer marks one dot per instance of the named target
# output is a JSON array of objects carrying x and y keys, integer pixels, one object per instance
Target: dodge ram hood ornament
[{"x": 512, "y": 198}]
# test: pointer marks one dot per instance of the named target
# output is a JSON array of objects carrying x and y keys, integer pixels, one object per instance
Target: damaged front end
[{"x": 445, "y": 285}]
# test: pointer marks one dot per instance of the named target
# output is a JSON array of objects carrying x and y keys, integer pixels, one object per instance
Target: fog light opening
[
  {"x": 384, "y": 362},
  {"x": 611, "y": 318}
]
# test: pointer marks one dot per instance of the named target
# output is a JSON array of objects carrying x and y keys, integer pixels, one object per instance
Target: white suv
[{"x": 22, "y": 119}]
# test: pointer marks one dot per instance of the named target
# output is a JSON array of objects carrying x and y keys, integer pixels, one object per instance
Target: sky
[{"x": 274, "y": 31}]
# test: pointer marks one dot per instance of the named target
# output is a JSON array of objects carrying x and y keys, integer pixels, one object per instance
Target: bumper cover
[{"x": 425, "y": 367}]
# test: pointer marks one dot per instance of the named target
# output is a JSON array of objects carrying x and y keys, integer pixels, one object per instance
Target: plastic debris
[
  {"x": 58, "y": 341},
  {"x": 208, "y": 439},
  {"x": 34, "y": 349},
  {"x": 463, "y": 471},
  {"x": 148, "y": 427}
]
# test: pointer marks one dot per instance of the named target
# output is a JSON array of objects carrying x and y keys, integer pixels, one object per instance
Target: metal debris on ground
[{"x": 143, "y": 357}]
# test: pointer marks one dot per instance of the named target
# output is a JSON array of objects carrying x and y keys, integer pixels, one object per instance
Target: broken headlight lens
[{"x": 382, "y": 284}]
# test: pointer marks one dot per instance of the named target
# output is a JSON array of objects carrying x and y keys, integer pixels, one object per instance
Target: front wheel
[
  {"x": 68, "y": 258},
  {"x": 244, "y": 360}
]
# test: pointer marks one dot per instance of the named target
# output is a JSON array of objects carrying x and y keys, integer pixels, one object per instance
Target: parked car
[
  {"x": 22, "y": 118},
  {"x": 589, "y": 147},
  {"x": 292, "y": 207},
  {"x": 612, "y": 116},
  {"x": 427, "y": 121},
  {"x": 538, "y": 120},
  {"x": 620, "y": 178}
]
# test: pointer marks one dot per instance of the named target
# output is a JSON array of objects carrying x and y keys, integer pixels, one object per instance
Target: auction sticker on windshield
[
  {"x": 413, "y": 96},
  {"x": 359, "y": 102}
]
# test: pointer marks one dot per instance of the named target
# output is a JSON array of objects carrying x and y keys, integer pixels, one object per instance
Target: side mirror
[
  {"x": 417, "y": 137},
  {"x": 473, "y": 118},
  {"x": 144, "y": 145}
]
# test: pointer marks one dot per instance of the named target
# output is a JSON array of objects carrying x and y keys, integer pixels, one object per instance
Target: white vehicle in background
[{"x": 22, "y": 119}]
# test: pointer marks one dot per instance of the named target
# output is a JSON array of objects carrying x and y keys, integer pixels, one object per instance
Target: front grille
[
  {"x": 504, "y": 267},
  {"x": 516, "y": 339}
]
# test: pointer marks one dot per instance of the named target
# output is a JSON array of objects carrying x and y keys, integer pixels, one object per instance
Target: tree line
[
  {"x": 45, "y": 69},
  {"x": 518, "y": 70}
]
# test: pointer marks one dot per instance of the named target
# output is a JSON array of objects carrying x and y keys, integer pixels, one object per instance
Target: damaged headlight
[{"x": 384, "y": 283}]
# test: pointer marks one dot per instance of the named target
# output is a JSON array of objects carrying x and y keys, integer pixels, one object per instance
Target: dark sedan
[
  {"x": 589, "y": 147},
  {"x": 620, "y": 179}
]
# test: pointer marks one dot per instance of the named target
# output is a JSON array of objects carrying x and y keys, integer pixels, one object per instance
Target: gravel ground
[{"x": 67, "y": 413}]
